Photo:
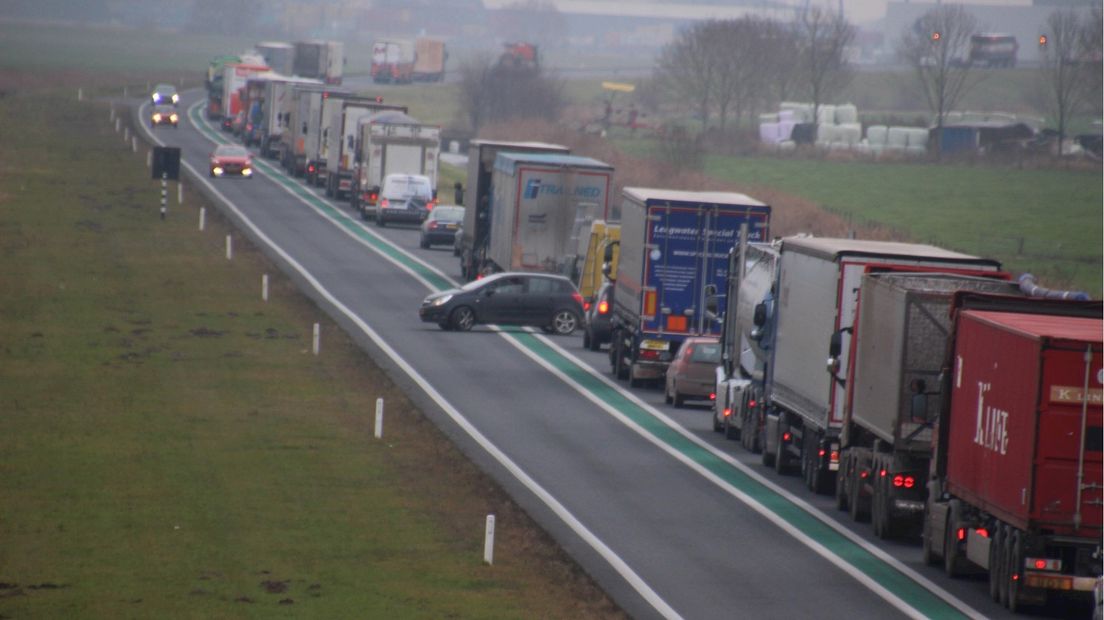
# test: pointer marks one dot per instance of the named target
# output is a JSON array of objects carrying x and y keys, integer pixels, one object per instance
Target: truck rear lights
[
  {"x": 577, "y": 297},
  {"x": 961, "y": 534},
  {"x": 834, "y": 456},
  {"x": 383, "y": 203},
  {"x": 712, "y": 396},
  {"x": 821, "y": 453},
  {"x": 751, "y": 403},
  {"x": 901, "y": 480},
  {"x": 310, "y": 168},
  {"x": 1043, "y": 564},
  {"x": 603, "y": 307},
  {"x": 432, "y": 225},
  {"x": 727, "y": 412},
  {"x": 650, "y": 355},
  {"x": 984, "y": 533},
  {"x": 787, "y": 436},
  {"x": 676, "y": 323}
]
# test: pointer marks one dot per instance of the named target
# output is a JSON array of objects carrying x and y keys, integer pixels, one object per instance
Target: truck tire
[
  {"x": 952, "y": 557},
  {"x": 767, "y": 457},
  {"x": 780, "y": 464},
  {"x": 730, "y": 431},
  {"x": 996, "y": 563},
  {"x": 1013, "y": 571},
  {"x": 620, "y": 371},
  {"x": 927, "y": 545},
  {"x": 855, "y": 506},
  {"x": 842, "y": 480}
]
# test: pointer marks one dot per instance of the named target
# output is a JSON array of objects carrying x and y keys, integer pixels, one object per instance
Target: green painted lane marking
[{"x": 917, "y": 596}]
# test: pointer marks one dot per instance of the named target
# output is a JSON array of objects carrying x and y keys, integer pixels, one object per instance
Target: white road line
[{"x": 615, "y": 561}]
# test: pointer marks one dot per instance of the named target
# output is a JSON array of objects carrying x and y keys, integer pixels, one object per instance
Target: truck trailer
[
  {"x": 429, "y": 60},
  {"x": 392, "y": 61},
  {"x": 341, "y": 117},
  {"x": 900, "y": 346},
  {"x": 304, "y": 128},
  {"x": 816, "y": 301},
  {"x": 542, "y": 204},
  {"x": 1016, "y": 484},
  {"x": 672, "y": 267},
  {"x": 390, "y": 142},
  {"x": 321, "y": 60},
  {"x": 477, "y": 197}
]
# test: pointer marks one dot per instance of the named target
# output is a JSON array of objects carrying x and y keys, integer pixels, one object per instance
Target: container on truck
[
  {"x": 541, "y": 204},
  {"x": 1016, "y": 482},
  {"x": 673, "y": 265},
  {"x": 477, "y": 197},
  {"x": 304, "y": 126},
  {"x": 341, "y": 117},
  {"x": 234, "y": 77},
  {"x": 321, "y": 60},
  {"x": 392, "y": 61},
  {"x": 429, "y": 60},
  {"x": 900, "y": 346},
  {"x": 277, "y": 54},
  {"x": 390, "y": 142},
  {"x": 817, "y": 302}
]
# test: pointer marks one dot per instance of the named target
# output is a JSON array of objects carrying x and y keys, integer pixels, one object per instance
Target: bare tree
[
  {"x": 778, "y": 61},
  {"x": 687, "y": 67},
  {"x": 493, "y": 91},
  {"x": 822, "y": 39},
  {"x": 935, "y": 47},
  {"x": 1092, "y": 55},
  {"x": 1062, "y": 77}
]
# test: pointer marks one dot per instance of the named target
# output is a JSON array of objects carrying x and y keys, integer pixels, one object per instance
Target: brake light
[
  {"x": 883, "y": 473},
  {"x": 648, "y": 354},
  {"x": 820, "y": 453},
  {"x": 834, "y": 456},
  {"x": 431, "y": 204},
  {"x": 909, "y": 482},
  {"x": 898, "y": 480},
  {"x": 727, "y": 412},
  {"x": 373, "y": 197},
  {"x": 586, "y": 306},
  {"x": 384, "y": 203},
  {"x": 603, "y": 307},
  {"x": 577, "y": 297},
  {"x": 310, "y": 168},
  {"x": 751, "y": 403},
  {"x": 433, "y": 224},
  {"x": 1044, "y": 564},
  {"x": 982, "y": 532},
  {"x": 961, "y": 534},
  {"x": 786, "y": 436},
  {"x": 864, "y": 474},
  {"x": 712, "y": 396}
]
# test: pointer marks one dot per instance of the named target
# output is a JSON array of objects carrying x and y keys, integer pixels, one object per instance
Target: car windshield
[
  {"x": 231, "y": 151},
  {"x": 448, "y": 214},
  {"x": 706, "y": 353}
]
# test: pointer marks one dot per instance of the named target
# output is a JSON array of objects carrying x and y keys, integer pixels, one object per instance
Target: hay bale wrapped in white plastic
[
  {"x": 897, "y": 138},
  {"x": 918, "y": 136},
  {"x": 826, "y": 134},
  {"x": 785, "y": 116},
  {"x": 863, "y": 147},
  {"x": 769, "y": 117},
  {"x": 876, "y": 135},
  {"x": 787, "y": 145},
  {"x": 826, "y": 114},
  {"x": 785, "y": 129},
  {"x": 849, "y": 133},
  {"x": 846, "y": 114},
  {"x": 768, "y": 133},
  {"x": 802, "y": 112}
]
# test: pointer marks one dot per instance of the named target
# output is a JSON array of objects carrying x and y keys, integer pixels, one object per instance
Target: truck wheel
[
  {"x": 780, "y": 464},
  {"x": 855, "y": 506},
  {"x": 719, "y": 425},
  {"x": 841, "y": 483},
  {"x": 996, "y": 563},
  {"x": 952, "y": 557},
  {"x": 877, "y": 509},
  {"x": 619, "y": 369},
  {"x": 767, "y": 457},
  {"x": 1014, "y": 570},
  {"x": 927, "y": 553},
  {"x": 462, "y": 319}
]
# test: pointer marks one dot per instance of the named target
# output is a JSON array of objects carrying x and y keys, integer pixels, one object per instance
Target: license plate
[
  {"x": 451, "y": 227},
  {"x": 654, "y": 345},
  {"x": 1056, "y": 582},
  {"x": 908, "y": 504}
]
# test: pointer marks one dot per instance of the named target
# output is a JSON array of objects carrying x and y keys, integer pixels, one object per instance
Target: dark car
[
  {"x": 691, "y": 375},
  {"x": 231, "y": 160},
  {"x": 165, "y": 94},
  {"x": 164, "y": 115},
  {"x": 596, "y": 331},
  {"x": 404, "y": 198},
  {"x": 441, "y": 225},
  {"x": 547, "y": 301}
]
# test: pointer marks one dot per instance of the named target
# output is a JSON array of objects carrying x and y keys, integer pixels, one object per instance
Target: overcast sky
[{"x": 861, "y": 11}]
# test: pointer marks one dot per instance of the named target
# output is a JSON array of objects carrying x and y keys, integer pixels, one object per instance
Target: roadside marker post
[
  {"x": 229, "y": 248},
  {"x": 117, "y": 119},
  {"x": 164, "y": 193},
  {"x": 179, "y": 193},
  {"x": 134, "y": 144},
  {"x": 317, "y": 338},
  {"x": 488, "y": 541},
  {"x": 378, "y": 432},
  {"x": 264, "y": 287},
  {"x": 202, "y": 217},
  {"x": 126, "y": 134},
  {"x": 80, "y": 94}
]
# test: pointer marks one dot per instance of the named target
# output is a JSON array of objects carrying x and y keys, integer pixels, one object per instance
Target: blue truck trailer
[{"x": 672, "y": 272}]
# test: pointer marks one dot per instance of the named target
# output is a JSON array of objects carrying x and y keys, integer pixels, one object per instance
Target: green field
[{"x": 169, "y": 447}]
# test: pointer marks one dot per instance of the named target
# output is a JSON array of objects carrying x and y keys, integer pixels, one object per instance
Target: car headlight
[
  {"x": 156, "y": 98},
  {"x": 157, "y": 117},
  {"x": 174, "y": 118},
  {"x": 440, "y": 301},
  {"x": 247, "y": 172},
  {"x": 217, "y": 170},
  {"x": 176, "y": 98}
]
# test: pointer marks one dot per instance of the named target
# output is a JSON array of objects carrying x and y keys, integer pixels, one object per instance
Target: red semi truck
[{"x": 1016, "y": 482}]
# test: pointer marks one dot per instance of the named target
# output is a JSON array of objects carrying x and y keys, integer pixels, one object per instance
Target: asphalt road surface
[{"x": 668, "y": 516}]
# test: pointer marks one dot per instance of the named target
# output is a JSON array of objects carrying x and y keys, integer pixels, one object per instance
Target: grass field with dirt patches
[{"x": 169, "y": 447}]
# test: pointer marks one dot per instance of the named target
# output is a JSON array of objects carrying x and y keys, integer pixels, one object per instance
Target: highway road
[{"x": 671, "y": 519}]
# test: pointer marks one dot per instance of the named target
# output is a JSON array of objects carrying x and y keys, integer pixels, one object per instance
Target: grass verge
[{"x": 170, "y": 448}]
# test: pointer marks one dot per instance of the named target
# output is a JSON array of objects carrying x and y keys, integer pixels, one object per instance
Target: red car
[
  {"x": 231, "y": 160},
  {"x": 691, "y": 374}
]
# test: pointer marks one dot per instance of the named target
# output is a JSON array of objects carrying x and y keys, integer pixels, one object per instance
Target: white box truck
[{"x": 390, "y": 142}]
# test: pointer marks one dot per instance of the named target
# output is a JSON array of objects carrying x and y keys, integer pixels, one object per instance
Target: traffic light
[{"x": 1042, "y": 40}]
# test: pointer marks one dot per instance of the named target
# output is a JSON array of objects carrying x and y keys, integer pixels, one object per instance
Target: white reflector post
[
  {"x": 179, "y": 193},
  {"x": 202, "y": 217},
  {"x": 229, "y": 247},
  {"x": 379, "y": 418},
  {"x": 264, "y": 287},
  {"x": 488, "y": 541},
  {"x": 317, "y": 337}
]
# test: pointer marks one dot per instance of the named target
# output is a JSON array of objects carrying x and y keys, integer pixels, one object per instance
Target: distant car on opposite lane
[
  {"x": 441, "y": 226},
  {"x": 164, "y": 115},
  {"x": 165, "y": 94},
  {"x": 231, "y": 160},
  {"x": 547, "y": 301},
  {"x": 691, "y": 374}
]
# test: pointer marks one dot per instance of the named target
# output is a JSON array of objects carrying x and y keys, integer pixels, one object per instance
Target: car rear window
[
  {"x": 706, "y": 353},
  {"x": 448, "y": 214},
  {"x": 406, "y": 187}
]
